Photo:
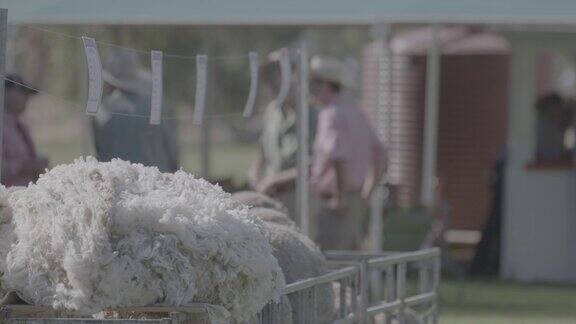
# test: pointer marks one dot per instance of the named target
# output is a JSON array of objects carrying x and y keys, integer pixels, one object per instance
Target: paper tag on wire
[
  {"x": 286, "y": 76},
  {"x": 94, "y": 75},
  {"x": 201, "y": 76},
  {"x": 253, "y": 60},
  {"x": 156, "y": 95}
]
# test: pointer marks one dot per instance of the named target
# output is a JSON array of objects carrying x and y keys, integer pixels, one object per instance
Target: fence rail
[{"x": 86, "y": 321}]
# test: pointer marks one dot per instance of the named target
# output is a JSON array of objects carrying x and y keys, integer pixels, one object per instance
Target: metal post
[
  {"x": 342, "y": 301},
  {"x": 3, "y": 33},
  {"x": 300, "y": 307},
  {"x": 206, "y": 126},
  {"x": 312, "y": 300},
  {"x": 391, "y": 290},
  {"x": 574, "y": 171},
  {"x": 401, "y": 291},
  {"x": 436, "y": 274},
  {"x": 87, "y": 133},
  {"x": 363, "y": 291},
  {"x": 382, "y": 34},
  {"x": 431, "y": 121},
  {"x": 423, "y": 277},
  {"x": 376, "y": 214},
  {"x": 302, "y": 185},
  {"x": 354, "y": 293},
  {"x": 376, "y": 228}
]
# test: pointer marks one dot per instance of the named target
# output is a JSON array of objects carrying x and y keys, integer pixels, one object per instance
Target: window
[{"x": 555, "y": 109}]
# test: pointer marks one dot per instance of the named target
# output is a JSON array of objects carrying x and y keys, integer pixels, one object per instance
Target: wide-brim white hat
[
  {"x": 122, "y": 70},
  {"x": 335, "y": 71}
]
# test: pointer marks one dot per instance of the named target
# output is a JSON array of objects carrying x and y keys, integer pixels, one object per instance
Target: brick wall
[{"x": 471, "y": 130}]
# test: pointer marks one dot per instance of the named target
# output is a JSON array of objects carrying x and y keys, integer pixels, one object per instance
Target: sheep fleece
[
  {"x": 6, "y": 236},
  {"x": 92, "y": 235},
  {"x": 300, "y": 259}
]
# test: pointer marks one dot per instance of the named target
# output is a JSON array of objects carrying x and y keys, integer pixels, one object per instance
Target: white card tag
[
  {"x": 286, "y": 76},
  {"x": 253, "y": 60},
  {"x": 156, "y": 96},
  {"x": 201, "y": 75},
  {"x": 94, "y": 75}
]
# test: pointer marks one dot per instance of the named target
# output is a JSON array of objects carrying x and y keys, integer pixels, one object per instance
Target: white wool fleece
[
  {"x": 6, "y": 237},
  {"x": 93, "y": 235}
]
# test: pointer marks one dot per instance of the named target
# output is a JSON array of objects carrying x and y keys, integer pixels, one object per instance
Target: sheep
[
  {"x": 410, "y": 317},
  {"x": 256, "y": 199},
  {"x": 273, "y": 216},
  {"x": 265, "y": 208},
  {"x": 6, "y": 235},
  {"x": 299, "y": 258},
  {"x": 92, "y": 236}
]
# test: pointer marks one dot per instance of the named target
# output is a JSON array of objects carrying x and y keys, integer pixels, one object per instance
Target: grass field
[
  {"x": 497, "y": 302},
  {"x": 228, "y": 160}
]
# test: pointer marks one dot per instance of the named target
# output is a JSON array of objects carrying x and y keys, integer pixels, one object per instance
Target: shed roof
[
  {"x": 276, "y": 12},
  {"x": 453, "y": 40}
]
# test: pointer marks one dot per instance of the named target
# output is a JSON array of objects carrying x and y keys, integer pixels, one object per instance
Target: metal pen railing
[
  {"x": 349, "y": 291},
  {"x": 304, "y": 294},
  {"x": 393, "y": 267},
  {"x": 29, "y": 314}
]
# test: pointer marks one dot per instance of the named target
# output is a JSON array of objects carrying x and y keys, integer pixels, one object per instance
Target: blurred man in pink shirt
[
  {"x": 20, "y": 163},
  {"x": 347, "y": 161}
]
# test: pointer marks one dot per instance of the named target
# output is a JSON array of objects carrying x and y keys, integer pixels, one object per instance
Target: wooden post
[
  {"x": 431, "y": 121},
  {"x": 3, "y": 33},
  {"x": 302, "y": 126}
]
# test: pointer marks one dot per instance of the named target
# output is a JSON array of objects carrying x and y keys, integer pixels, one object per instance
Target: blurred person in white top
[{"x": 347, "y": 159}]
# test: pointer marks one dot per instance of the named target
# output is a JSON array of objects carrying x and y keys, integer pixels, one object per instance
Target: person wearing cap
[
  {"x": 121, "y": 127},
  {"x": 347, "y": 158},
  {"x": 274, "y": 170},
  {"x": 20, "y": 163}
]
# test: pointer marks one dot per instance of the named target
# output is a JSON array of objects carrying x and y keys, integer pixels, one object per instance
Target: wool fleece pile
[
  {"x": 90, "y": 236},
  {"x": 6, "y": 235}
]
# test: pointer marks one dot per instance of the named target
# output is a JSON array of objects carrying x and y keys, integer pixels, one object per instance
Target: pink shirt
[
  {"x": 344, "y": 134},
  {"x": 18, "y": 148}
]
